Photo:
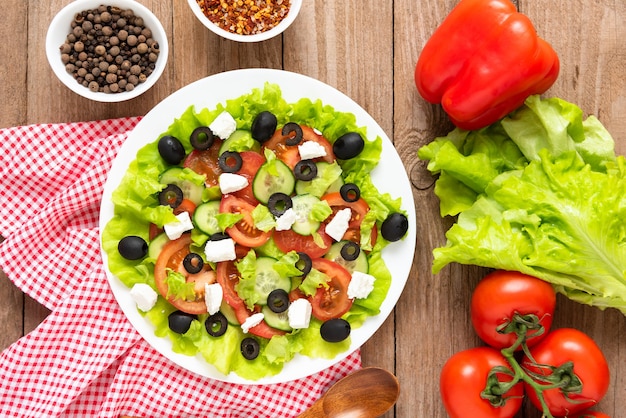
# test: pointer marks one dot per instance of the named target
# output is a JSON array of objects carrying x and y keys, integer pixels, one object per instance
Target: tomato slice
[
  {"x": 171, "y": 258},
  {"x": 289, "y": 240},
  {"x": 290, "y": 155},
  {"x": 358, "y": 209},
  {"x": 185, "y": 206},
  {"x": 228, "y": 277},
  {"x": 250, "y": 163},
  {"x": 205, "y": 162},
  {"x": 243, "y": 232},
  {"x": 332, "y": 301}
]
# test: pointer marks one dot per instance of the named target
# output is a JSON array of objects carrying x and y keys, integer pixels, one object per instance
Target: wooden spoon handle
[{"x": 314, "y": 411}]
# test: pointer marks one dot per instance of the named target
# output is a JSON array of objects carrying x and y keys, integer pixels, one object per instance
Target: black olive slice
[
  {"x": 218, "y": 236},
  {"x": 350, "y": 251},
  {"x": 171, "y": 150},
  {"x": 216, "y": 324},
  {"x": 305, "y": 170},
  {"x": 350, "y": 192},
  {"x": 279, "y": 203},
  {"x": 293, "y": 132},
  {"x": 304, "y": 264},
  {"x": 230, "y": 161},
  {"x": 180, "y": 321},
  {"x": 193, "y": 263},
  {"x": 202, "y": 138},
  {"x": 394, "y": 227},
  {"x": 278, "y": 300},
  {"x": 171, "y": 196},
  {"x": 335, "y": 330},
  {"x": 263, "y": 126},
  {"x": 250, "y": 348},
  {"x": 132, "y": 247}
]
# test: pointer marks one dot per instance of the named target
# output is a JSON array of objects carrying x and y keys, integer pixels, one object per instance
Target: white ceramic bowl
[
  {"x": 60, "y": 27},
  {"x": 276, "y": 30}
]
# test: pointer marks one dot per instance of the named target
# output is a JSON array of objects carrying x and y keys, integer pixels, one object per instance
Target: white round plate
[{"x": 389, "y": 176}]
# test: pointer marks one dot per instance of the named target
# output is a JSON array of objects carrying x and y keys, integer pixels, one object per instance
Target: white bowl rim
[
  {"x": 56, "y": 35},
  {"x": 257, "y": 37}
]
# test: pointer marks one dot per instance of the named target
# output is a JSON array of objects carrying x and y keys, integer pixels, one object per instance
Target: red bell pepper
[{"x": 483, "y": 61}]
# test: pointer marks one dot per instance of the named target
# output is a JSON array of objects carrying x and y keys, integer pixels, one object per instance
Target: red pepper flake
[{"x": 245, "y": 17}]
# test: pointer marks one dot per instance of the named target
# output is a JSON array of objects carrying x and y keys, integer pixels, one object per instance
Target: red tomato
[
  {"x": 228, "y": 277},
  {"x": 331, "y": 301},
  {"x": 464, "y": 377},
  {"x": 171, "y": 258},
  {"x": 185, "y": 206},
  {"x": 290, "y": 155},
  {"x": 590, "y": 367},
  {"x": 500, "y": 295},
  {"x": 591, "y": 414},
  {"x": 358, "y": 209},
  {"x": 205, "y": 162},
  {"x": 251, "y": 162},
  {"x": 289, "y": 240},
  {"x": 243, "y": 232}
]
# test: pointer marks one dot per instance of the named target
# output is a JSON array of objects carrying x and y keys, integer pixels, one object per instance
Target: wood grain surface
[{"x": 367, "y": 49}]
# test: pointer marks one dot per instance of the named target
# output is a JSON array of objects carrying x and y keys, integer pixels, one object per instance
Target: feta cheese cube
[
  {"x": 222, "y": 250},
  {"x": 299, "y": 313},
  {"x": 230, "y": 182},
  {"x": 252, "y": 321},
  {"x": 213, "y": 294},
  {"x": 286, "y": 220},
  {"x": 338, "y": 226},
  {"x": 144, "y": 296},
  {"x": 361, "y": 285},
  {"x": 223, "y": 125},
  {"x": 174, "y": 230},
  {"x": 311, "y": 149}
]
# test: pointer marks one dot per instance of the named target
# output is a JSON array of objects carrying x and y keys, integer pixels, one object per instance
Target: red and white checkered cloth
[{"x": 86, "y": 359}]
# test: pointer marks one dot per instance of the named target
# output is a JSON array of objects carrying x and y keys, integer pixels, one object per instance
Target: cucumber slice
[
  {"x": 204, "y": 217},
  {"x": 276, "y": 320},
  {"x": 302, "y": 205},
  {"x": 191, "y": 191},
  {"x": 266, "y": 184},
  {"x": 240, "y": 140},
  {"x": 320, "y": 185},
  {"x": 156, "y": 245},
  {"x": 268, "y": 279},
  {"x": 229, "y": 313},
  {"x": 359, "y": 264}
]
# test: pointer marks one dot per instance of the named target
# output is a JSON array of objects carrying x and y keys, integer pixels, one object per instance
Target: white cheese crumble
[
  {"x": 213, "y": 294},
  {"x": 223, "y": 125},
  {"x": 174, "y": 230},
  {"x": 230, "y": 183},
  {"x": 361, "y": 285},
  {"x": 299, "y": 313},
  {"x": 311, "y": 149},
  {"x": 338, "y": 226},
  {"x": 286, "y": 220},
  {"x": 252, "y": 321},
  {"x": 222, "y": 250},
  {"x": 144, "y": 296}
]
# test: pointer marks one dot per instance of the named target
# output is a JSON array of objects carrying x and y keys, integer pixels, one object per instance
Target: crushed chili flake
[{"x": 245, "y": 17}]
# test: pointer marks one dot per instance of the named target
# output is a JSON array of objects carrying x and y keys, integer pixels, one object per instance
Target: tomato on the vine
[
  {"x": 470, "y": 389},
  {"x": 505, "y": 301},
  {"x": 581, "y": 366},
  {"x": 591, "y": 414}
]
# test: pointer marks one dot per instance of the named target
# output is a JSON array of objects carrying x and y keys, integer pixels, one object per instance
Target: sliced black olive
[
  {"x": 350, "y": 251},
  {"x": 180, "y": 321},
  {"x": 279, "y": 203},
  {"x": 305, "y": 170},
  {"x": 348, "y": 145},
  {"x": 394, "y": 227},
  {"x": 202, "y": 138},
  {"x": 218, "y": 236},
  {"x": 193, "y": 263},
  {"x": 263, "y": 126},
  {"x": 171, "y": 150},
  {"x": 304, "y": 264},
  {"x": 278, "y": 300},
  {"x": 216, "y": 324},
  {"x": 350, "y": 192},
  {"x": 293, "y": 132},
  {"x": 171, "y": 196},
  {"x": 335, "y": 330},
  {"x": 230, "y": 161},
  {"x": 132, "y": 247},
  {"x": 250, "y": 348}
]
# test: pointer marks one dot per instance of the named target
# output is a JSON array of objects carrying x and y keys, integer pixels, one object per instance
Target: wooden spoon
[{"x": 366, "y": 393}]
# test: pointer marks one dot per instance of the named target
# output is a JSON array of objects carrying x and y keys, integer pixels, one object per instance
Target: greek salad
[{"x": 252, "y": 232}]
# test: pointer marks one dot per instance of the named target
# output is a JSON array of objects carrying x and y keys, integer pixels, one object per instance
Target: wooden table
[{"x": 366, "y": 49}]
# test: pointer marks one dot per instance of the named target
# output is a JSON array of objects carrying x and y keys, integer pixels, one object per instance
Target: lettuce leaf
[{"x": 541, "y": 192}]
